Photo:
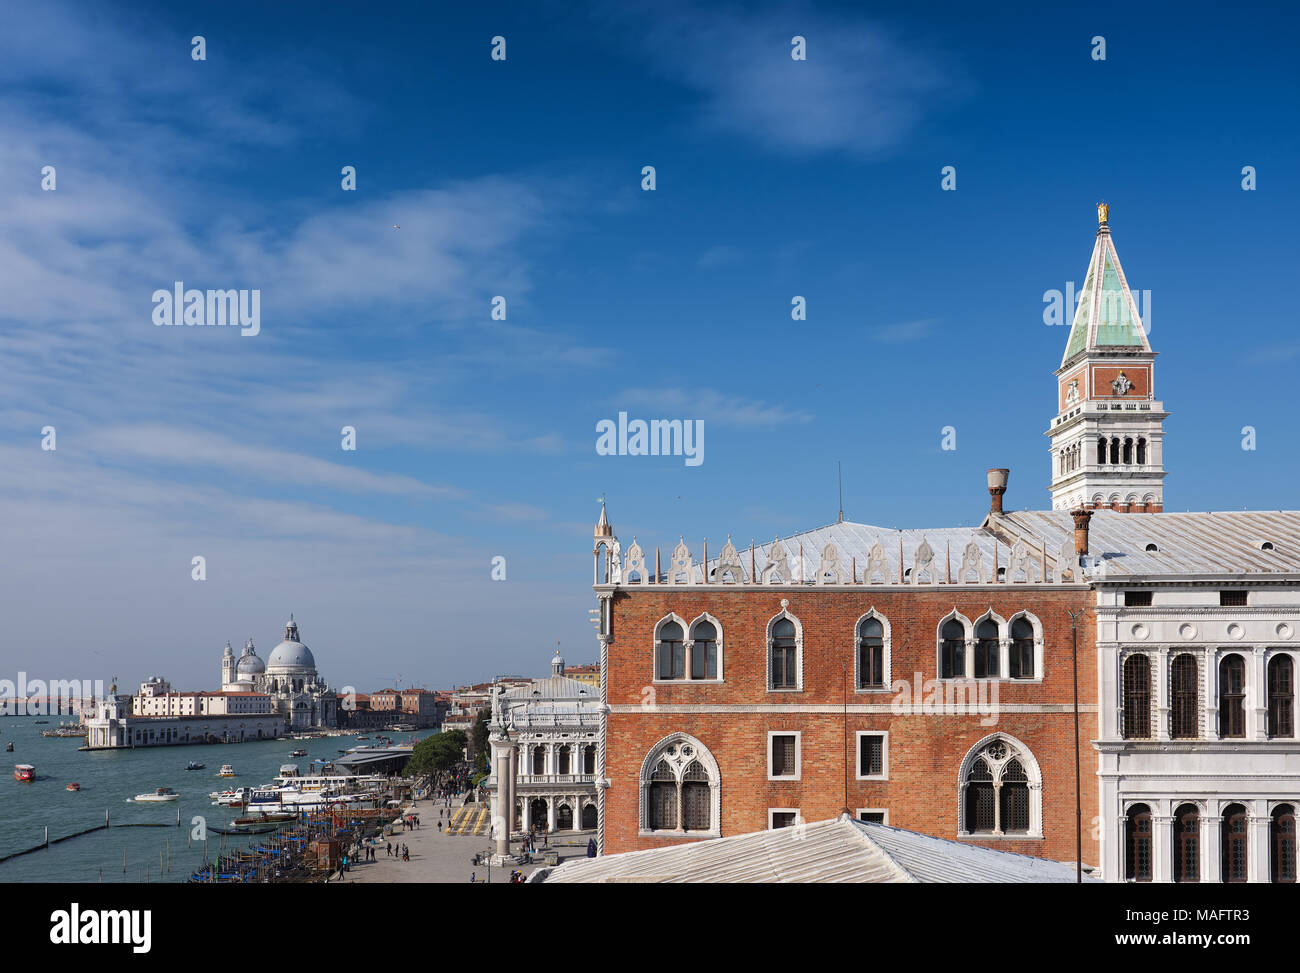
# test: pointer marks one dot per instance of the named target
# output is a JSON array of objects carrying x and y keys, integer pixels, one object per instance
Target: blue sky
[{"x": 521, "y": 178}]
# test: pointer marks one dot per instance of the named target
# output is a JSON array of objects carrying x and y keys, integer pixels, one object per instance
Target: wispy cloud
[
  {"x": 863, "y": 88},
  {"x": 712, "y": 406},
  {"x": 903, "y": 331}
]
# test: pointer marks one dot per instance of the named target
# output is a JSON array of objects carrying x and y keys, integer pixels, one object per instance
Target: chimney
[
  {"x": 997, "y": 487},
  {"x": 1081, "y": 518}
]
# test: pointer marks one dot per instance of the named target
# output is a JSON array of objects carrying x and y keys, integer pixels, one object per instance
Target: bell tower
[{"x": 1107, "y": 439}]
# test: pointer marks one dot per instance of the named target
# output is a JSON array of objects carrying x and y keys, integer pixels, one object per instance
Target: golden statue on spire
[{"x": 1103, "y": 214}]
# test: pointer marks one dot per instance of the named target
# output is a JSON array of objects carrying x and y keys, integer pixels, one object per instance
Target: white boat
[
  {"x": 226, "y": 771},
  {"x": 230, "y": 798},
  {"x": 161, "y": 794}
]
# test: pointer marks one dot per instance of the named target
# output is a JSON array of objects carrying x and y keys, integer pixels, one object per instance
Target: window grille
[
  {"x": 1137, "y": 697},
  {"x": 1281, "y": 696},
  {"x": 1232, "y": 844},
  {"x": 1282, "y": 844},
  {"x": 871, "y": 756},
  {"x": 1183, "y": 713},
  {"x": 1137, "y": 866},
  {"x": 1232, "y": 697},
  {"x": 1234, "y": 598},
  {"x": 1137, "y": 599},
  {"x": 783, "y": 754},
  {"x": 1187, "y": 844}
]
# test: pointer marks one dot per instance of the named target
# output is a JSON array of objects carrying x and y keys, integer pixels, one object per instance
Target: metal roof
[
  {"x": 837, "y": 850},
  {"x": 1220, "y": 543},
  {"x": 853, "y": 542}
]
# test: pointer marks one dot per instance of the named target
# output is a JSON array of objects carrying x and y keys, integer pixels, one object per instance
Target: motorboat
[
  {"x": 297, "y": 753},
  {"x": 193, "y": 765},
  {"x": 24, "y": 772},
  {"x": 74, "y": 787},
  {"x": 289, "y": 770},
  {"x": 233, "y": 798},
  {"x": 160, "y": 795},
  {"x": 226, "y": 771},
  {"x": 9, "y": 747}
]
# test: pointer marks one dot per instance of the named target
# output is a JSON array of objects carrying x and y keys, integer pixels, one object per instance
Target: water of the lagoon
[{"x": 109, "y": 779}]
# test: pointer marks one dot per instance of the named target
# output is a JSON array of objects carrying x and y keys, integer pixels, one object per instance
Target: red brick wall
[{"x": 925, "y": 751}]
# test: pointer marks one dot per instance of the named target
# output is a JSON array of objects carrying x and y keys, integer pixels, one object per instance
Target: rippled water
[{"x": 109, "y": 779}]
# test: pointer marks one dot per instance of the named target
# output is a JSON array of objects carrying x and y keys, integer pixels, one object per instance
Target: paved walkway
[{"x": 442, "y": 857}]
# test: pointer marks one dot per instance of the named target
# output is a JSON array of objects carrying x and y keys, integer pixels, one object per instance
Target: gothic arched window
[
  {"x": 871, "y": 654},
  {"x": 986, "y": 650},
  {"x": 1281, "y": 696},
  {"x": 1022, "y": 648},
  {"x": 1184, "y": 712},
  {"x": 1232, "y": 696},
  {"x": 1187, "y": 844},
  {"x": 680, "y": 787},
  {"x": 704, "y": 650},
  {"x": 1137, "y": 697},
  {"x": 1232, "y": 844},
  {"x": 783, "y": 654},
  {"x": 1137, "y": 844},
  {"x": 670, "y": 653},
  {"x": 952, "y": 650},
  {"x": 1001, "y": 790}
]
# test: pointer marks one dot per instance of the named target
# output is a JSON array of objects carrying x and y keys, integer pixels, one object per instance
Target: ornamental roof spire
[{"x": 1106, "y": 318}]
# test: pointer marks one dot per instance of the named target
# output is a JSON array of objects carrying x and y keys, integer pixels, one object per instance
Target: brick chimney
[
  {"x": 1081, "y": 518},
  {"x": 997, "y": 487}
]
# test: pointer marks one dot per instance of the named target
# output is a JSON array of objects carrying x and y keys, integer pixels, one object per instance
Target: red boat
[
  {"x": 74, "y": 786},
  {"x": 24, "y": 772}
]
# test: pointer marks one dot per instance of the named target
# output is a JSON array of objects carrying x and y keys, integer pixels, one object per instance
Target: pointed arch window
[
  {"x": 1137, "y": 844},
  {"x": 783, "y": 654},
  {"x": 952, "y": 650},
  {"x": 1001, "y": 790},
  {"x": 1281, "y": 696},
  {"x": 1281, "y": 844},
  {"x": 872, "y": 672},
  {"x": 987, "y": 650},
  {"x": 1185, "y": 699},
  {"x": 1232, "y": 844},
  {"x": 670, "y": 652},
  {"x": 1137, "y": 697},
  {"x": 1187, "y": 844},
  {"x": 704, "y": 650},
  {"x": 1232, "y": 697},
  {"x": 1021, "y": 661},
  {"x": 680, "y": 788}
]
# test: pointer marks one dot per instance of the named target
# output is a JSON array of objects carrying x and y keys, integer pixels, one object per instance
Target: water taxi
[
  {"x": 235, "y": 798},
  {"x": 74, "y": 787},
  {"x": 161, "y": 794},
  {"x": 226, "y": 771},
  {"x": 297, "y": 753},
  {"x": 24, "y": 772},
  {"x": 192, "y": 765}
]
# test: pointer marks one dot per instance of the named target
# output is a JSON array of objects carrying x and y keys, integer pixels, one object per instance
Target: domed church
[{"x": 288, "y": 676}]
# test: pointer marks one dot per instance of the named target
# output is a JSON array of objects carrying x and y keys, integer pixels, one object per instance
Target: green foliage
[{"x": 438, "y": 752}]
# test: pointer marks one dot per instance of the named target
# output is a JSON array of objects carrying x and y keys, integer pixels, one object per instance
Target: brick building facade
[{"x": 746, "y": 692}]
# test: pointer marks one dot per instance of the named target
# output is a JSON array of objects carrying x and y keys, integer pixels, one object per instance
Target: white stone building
[
  {"x": 288, "y": 677},
  {"x": 545, "y": 740}
]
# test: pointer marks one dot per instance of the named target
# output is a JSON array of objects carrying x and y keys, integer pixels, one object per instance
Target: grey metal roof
[
  {"x": 1220, "y": 543},
  {"x": 554, "y": 687},
  {"x": 837, "y": 850},
  {"x": 854, "y": 541}
]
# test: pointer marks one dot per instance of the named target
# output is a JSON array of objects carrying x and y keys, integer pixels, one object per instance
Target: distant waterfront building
[
  {"x": 545, "y": 737},
  {"x": 158, "y": 717},
  {"x": 590, "y": 673},
  {"x": 288, "y": 677}
]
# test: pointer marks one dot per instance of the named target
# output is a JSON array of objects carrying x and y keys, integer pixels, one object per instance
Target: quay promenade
[{"x": 441, "y": 857}]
